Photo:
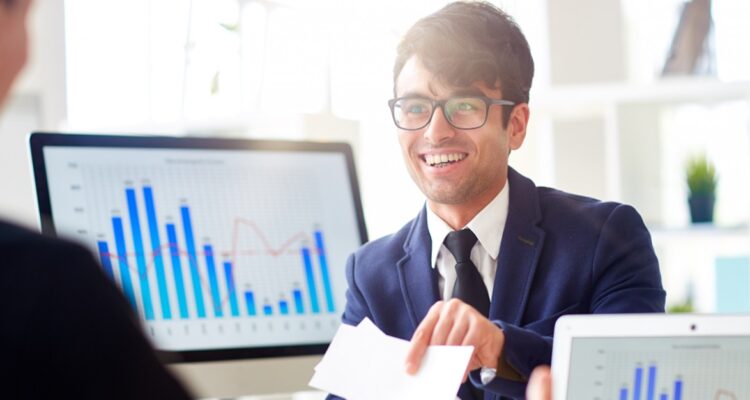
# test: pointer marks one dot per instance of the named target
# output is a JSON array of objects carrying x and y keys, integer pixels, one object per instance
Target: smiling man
[{"x": 492, "y": 260}]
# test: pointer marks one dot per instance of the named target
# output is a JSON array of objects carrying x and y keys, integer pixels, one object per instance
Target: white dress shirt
[{"x": 488, "y": 226}]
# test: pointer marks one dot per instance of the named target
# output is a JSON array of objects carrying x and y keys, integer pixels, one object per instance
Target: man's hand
[
  {"x": 456, "y": 323},
  {"x": 540, "y": 384}
]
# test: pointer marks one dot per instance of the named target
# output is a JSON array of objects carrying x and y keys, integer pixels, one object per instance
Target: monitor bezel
[{"x": 38, "y": 141}]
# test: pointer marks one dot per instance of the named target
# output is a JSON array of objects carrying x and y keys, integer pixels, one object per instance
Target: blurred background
[{"x": 629, "y": 98}]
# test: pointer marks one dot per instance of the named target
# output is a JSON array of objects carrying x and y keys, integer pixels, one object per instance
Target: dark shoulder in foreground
[
  {"x": 67, "y": 331},
  {"x": 18, "y": 242}
]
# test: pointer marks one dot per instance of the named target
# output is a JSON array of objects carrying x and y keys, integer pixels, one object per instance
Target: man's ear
[{"x": 517, "y": 124}]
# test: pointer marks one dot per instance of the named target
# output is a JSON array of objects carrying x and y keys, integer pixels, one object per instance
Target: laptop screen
[
  {"x": 217, "y": 244},
  {"x": 659, "y": 368}
]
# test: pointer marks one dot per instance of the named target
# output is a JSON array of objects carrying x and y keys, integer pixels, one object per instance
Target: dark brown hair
[{"x": 466, "y": 42}]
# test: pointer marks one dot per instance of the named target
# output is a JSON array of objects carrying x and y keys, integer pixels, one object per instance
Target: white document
[{"x": 363, "y": 363}]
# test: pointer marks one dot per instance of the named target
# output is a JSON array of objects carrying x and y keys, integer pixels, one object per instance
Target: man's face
[
  {"x": 481, "y": 168},
  {"x": 13, "y": 41}
]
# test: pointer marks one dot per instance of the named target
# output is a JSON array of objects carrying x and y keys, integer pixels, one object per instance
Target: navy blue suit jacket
[{"x": 560, "y": 254}]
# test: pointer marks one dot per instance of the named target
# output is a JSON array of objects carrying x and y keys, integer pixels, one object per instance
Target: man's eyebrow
[
  {"x": 457, "y": 93},
  {"x": 468, "y": 92},
  {"x": 414, "y": 94}
]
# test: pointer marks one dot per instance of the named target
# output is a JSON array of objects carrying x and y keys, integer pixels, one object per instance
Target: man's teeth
[{"x": 440, "y": 159}]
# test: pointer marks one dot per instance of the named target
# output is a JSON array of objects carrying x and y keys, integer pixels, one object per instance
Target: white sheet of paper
[{"x": 363, "y": 363}]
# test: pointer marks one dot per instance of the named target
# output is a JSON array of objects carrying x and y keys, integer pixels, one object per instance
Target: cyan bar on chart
[
  {"x": 104, "y": 257},
  {"x": 122, "y": 258},
  {"x": 153, "y": 229},
  {"x": 213, "y": 281},
  {"x": 250, "y": 303},
  {"x": 311, "y": 288},
  {"x": 283, "y": 307},
  {"x": 179, "y": 282},
  {"x": 267, "y": 310},
  {"x": 140, "y": 256},
  {"x": 324, "y": 271},
  {"x": 187, "y": 225},
  {"x": 231, "y": 290},
  {"x": 299, "y": 305}
]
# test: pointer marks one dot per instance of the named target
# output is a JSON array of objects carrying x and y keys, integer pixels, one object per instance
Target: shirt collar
[{"x": 488, "y": 225}]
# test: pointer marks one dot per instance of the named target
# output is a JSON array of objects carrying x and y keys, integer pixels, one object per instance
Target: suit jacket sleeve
[{"x": 624, "y": 277}]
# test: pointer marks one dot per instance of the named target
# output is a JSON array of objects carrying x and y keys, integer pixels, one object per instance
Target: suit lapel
[
  {"x": 417, "y": 278},
  {"x": 520, "y": 248}
]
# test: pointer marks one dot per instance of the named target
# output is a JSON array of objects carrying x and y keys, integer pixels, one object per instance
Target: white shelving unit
[{"x": 608, "y": 136}]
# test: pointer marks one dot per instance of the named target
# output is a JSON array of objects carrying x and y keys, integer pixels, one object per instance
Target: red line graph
[
  {"x": 285, "y": 248},
  {"x": 723, "y": 394}
]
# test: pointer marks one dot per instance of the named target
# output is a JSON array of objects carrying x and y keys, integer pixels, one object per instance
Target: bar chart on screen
[
  {"x": 209, "y": 256},
  {"x": 661, "y": 369}
]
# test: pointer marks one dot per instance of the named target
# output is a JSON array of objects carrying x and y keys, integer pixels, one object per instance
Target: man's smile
[{"x": 442, "y": 160}]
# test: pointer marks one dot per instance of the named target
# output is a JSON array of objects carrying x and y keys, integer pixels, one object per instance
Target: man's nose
[{"x": 439, "y": 128}]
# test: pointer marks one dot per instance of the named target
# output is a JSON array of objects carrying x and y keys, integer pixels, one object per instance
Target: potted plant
[{"x": 701, "y": 180}]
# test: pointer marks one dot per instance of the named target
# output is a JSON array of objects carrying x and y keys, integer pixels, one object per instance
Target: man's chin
[{"x": 453, "y": 196}]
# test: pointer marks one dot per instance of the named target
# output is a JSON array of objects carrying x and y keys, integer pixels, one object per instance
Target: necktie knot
[{"x": 460, "y": 243}]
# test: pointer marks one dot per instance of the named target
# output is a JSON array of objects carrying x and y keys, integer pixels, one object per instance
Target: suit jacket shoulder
[{"x": 67, "y": 330}]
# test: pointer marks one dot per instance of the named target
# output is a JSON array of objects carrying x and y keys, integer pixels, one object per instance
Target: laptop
[
  {"x": 652, "y": 357},
  {"x": 224, "y": 248}
]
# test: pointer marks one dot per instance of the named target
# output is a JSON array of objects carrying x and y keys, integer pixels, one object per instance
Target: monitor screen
[
  {"x": 660, "y": 368},
  {"x": 224, "y": 248}
]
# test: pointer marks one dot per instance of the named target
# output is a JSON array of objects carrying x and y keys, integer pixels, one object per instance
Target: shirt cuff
[{"x": 486, "y": 375}]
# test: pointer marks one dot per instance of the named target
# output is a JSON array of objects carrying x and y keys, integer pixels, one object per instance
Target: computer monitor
[{"x": 225, "y": 248}]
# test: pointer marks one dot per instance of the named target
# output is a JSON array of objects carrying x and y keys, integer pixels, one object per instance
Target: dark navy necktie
[
  {"x": 469, "y": 288},
  {"x": 469, "y": 285}
]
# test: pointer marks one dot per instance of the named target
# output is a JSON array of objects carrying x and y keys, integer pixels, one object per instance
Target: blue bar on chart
[
  {"x": 213, "y": 281},
  {"x": 678, "y": 389},
  {"x": 267, "y": 310},
  {"x": 105, "y": 259},
  {"x": 122, "y": 258},
  {"x": 624, "y": 394},
  {"x": 187, "y": 226},
  {"x": 651, "y": 386},
  {"x": 174, "y": 252},
  {"x": 283, "y": 307},
  {"x": 310, "y": 280},
  {"x": 231, "y": 291},
  {"x": 299, "y": 306},
  {"x": 250, "y": 303},
  {"x": 324, "y": 271},
  {"x": 638, "y": 382},
  {"x": 663, "y": 396},
  {"x": 153, "y": 229},
  {"x": 140, "y": 256}
]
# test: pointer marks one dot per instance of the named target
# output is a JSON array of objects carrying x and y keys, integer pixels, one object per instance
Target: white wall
[{"x": 37, "y": 102}]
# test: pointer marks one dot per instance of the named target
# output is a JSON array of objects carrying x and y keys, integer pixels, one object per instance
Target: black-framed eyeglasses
[{"x": 462, "y": 112}]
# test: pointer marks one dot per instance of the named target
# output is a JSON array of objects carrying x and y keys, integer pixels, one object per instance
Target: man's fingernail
[{"x": 410, "y": 368}]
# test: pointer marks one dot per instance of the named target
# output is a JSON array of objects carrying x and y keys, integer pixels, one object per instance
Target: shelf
[
  {"x": 678, "y": 90},
  {"x": 700, "y": 232}
]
